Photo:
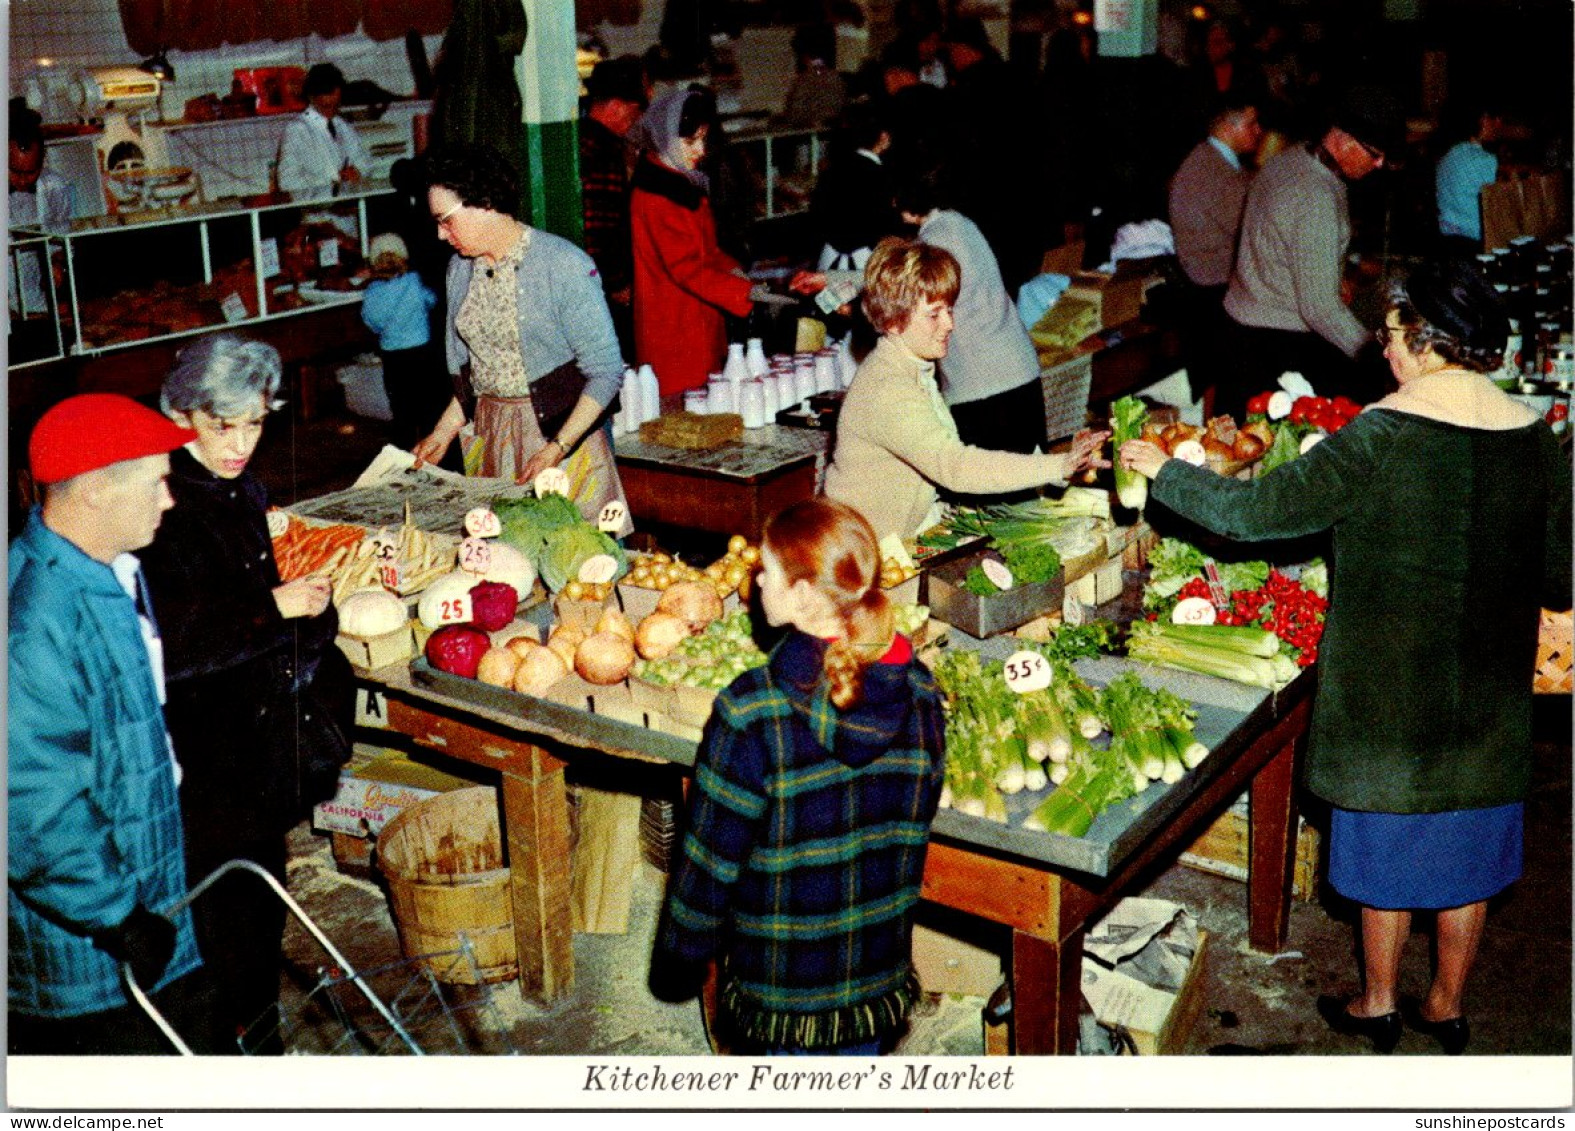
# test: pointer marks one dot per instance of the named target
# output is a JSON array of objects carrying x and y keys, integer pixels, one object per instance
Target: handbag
[{"x": 553, "y": 396}]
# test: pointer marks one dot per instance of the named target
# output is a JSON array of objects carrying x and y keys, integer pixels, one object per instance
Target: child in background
[
  {"x": 397, "y": 308},
  {"x": 815, "y": 785}
]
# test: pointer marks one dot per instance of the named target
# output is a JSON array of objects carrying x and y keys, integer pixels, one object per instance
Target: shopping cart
[{"x": 440, "y": 998}]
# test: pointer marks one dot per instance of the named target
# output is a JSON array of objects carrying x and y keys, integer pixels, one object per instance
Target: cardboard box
[
  {"x": 1171, "y": 1037},
  {"x": 947, "y": 965},
  {"x": 1064, "y": 260},
  {"x": 368, "y": 653},
  {"x": 373, "y": 788},
  {"x": 1066, "y": 386},
  {"x": 1118, "y": 298}
]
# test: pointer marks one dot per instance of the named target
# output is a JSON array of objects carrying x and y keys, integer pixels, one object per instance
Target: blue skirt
[{"x": 1398, "y": 861}]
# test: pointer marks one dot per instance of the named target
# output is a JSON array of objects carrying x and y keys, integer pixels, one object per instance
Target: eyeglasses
[{"x": 443, "y": 220}]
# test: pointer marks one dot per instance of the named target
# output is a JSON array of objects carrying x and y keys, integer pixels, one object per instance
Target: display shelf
[
  {"x": 783, "y": 164},
  {"x": 33, "y": 330},
  {"x": 135, "y": 278}
]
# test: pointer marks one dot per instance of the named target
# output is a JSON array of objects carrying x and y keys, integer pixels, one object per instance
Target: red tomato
[
  {"x": 1259, "y": 405},
  {"x": 1346, "y": 407}
]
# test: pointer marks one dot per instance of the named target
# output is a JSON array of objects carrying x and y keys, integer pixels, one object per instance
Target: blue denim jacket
[{"x": 94, "y": 821}]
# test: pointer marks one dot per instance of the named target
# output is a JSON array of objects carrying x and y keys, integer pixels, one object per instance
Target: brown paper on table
[{"x": 606, "y": 859}]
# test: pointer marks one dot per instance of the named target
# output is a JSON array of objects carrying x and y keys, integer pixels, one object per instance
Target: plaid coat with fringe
[{"x": 801, "y": 863}]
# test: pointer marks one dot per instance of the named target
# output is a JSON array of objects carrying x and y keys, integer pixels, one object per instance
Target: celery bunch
[
  {"x": 1127, "y": 417},
  {"x": 1246, "y": 655}
]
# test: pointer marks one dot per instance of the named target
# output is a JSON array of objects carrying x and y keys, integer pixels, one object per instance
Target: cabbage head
[{"x": 566, "y": 550}]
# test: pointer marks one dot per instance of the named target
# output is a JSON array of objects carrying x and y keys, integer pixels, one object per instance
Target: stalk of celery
[
  {"x": 1127, "y": 417},
  {"x": 1159, "y": 647},
  {"x": 1236, "y": 638}
]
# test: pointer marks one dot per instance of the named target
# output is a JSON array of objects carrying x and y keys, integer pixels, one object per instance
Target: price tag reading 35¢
[
  {"x": 1026, "y": 672},
  {"x": 553, "y": 481},
  {"x": 610, "y": 521}
]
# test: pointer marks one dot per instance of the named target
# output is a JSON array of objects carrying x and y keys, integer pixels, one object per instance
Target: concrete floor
[{"x": 1519, "y": 999}]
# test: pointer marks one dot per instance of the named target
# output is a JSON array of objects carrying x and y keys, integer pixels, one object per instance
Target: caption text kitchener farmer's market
[{"x": 772, "y": 1078}]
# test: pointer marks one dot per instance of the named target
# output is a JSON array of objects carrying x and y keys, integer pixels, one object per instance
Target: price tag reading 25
[
  {"x": 1026, "y": 672},
  {"x": 475, "y": 555}
]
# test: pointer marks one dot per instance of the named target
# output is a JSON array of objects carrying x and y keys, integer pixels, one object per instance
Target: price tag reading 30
[
  {"x": 553, "y": 481},
  {"x": 1026, "y": 672},
  {"x": 610, "y": 521},
  {"x": 482, "y": 522},
  {"x": 475, "y": 555}
]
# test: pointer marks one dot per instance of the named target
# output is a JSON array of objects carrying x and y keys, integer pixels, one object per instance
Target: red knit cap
[{"x": 93, "y": 430}]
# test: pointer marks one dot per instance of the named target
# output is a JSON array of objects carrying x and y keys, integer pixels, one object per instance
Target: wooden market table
[
  {"x": 727, "y": 490},
  {"x": 1048, "y": 889}
]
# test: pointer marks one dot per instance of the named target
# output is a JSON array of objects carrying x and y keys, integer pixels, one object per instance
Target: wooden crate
[{"x": 1223, "y": 850}]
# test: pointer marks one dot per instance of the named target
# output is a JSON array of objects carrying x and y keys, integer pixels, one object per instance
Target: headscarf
[{"x": 660, "y": 127}]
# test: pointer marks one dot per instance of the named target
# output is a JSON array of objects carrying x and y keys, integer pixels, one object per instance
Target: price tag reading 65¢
[{"x": 1026, "y": 672}]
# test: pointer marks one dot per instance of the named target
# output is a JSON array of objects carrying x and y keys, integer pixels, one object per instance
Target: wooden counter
[
  {"x": 728, "y": 490},
  {"x": 1039, "y": 886}
]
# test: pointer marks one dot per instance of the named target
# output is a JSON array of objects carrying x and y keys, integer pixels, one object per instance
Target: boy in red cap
[{"x": 94, "y": 839}]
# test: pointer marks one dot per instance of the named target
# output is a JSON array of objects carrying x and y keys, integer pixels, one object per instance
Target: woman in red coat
[{"x": 683, "y": 282}]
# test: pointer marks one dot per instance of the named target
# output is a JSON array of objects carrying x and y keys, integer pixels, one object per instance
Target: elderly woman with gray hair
[{"x": 261, "y": 703}]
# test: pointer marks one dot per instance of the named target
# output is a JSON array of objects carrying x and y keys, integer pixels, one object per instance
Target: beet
[
  {"x": 457, "y": 648},
  {"x": 493, "y": 605}
]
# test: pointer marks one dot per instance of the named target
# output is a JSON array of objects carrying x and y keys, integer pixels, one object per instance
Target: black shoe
[
  {"x": 1452, "y": 1035},
  {"x": 1384, "y": 1031}
]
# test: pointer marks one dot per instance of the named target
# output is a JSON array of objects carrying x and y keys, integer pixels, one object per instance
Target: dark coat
[
  {"x": 801, "y": 865},
  {"x": 852, "y": 205},
  {"x": 241, "y": 678},
  {"x": 1446, "y": 542}
]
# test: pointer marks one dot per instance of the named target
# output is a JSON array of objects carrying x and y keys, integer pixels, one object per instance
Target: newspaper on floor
[
  {"x": 1135, "y": 960},
  {"x": 437, "y": 499}
]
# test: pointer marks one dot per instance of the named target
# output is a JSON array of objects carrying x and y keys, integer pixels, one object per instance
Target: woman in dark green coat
[{"x": 1449, "y": 503}]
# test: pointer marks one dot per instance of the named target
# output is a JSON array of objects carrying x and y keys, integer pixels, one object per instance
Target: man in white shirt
[{"x": 321, "y": 153}]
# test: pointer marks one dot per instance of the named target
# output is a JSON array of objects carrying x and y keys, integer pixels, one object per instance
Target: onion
[
  {"x": 694, "y": 601},
  {"x": 521, "y": 644},
  {"x": 659, "y": 634},
  {"x": 498, "y": 666},
  {"x": 565, "y": 639},
  {"x": 614, "y": 621},
  {"x": 538, "y": 671},
  {"x": 604, "y": 657}
]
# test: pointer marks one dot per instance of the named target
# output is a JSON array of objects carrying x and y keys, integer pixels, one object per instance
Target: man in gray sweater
[
  {"x": 1207, "y": 196},
  {"x": 1284, "y": 301}
]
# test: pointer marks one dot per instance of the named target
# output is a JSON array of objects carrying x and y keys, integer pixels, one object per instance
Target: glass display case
[
  {"x": 34, "y": 271},
  {"x": 783, "y": 166},
  {"x": 125, "y": 281}
]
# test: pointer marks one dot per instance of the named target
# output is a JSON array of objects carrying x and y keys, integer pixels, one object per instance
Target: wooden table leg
[
  {"x": 536, "y": 826},
  {"x": 1272, "y": 851},
  {"x": 1046, "y": 994}
]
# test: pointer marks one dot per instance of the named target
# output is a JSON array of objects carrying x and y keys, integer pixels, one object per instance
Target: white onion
[
  {"x": 604, "y": 658},
  {"x": 659, "y": 634}
]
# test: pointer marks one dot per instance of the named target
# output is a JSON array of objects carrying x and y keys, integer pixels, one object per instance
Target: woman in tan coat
[{"x": 896, "y": 441}]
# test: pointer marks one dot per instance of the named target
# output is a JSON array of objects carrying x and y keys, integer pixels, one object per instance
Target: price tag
[
  {"x": 475, "y": 555},
  {"x": 268, "y": 257},
  {"x": 233, "y": 309},
  {"x": 385, "y": 551},
  {"x": 1193, "y": 610},
  {"x": 328, "y": 253},
  {"x": 1072, "y": 611},
  {"x": 455, "y": 610},
  {"x": 599, "y": 569},
  {"x": 1190, "y": 451},
  {"x": 1311, "y": 441},
  {"x": 278, "y": 523},
  {"x": 610, "y": 521},
  {"x": 999, "y": 575},
  {"x": 553, "y": 481},
  {"x": 482, "y": 523},
  {"x": 1026, "y": 672}
]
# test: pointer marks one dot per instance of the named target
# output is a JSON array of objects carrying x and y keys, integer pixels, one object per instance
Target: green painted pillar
[{"x": 550, "y": 98}]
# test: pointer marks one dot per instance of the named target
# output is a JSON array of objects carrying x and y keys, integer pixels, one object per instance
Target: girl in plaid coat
[{"x": 809, "y": 817}]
